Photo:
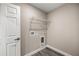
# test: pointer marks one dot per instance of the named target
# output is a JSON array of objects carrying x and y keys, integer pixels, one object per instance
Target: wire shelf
[{"x": 38, "y": 24}]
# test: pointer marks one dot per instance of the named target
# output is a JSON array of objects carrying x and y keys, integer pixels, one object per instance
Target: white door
[
  {"x": 11, "y": 49},
  {"x": 0, "y": 50},
  {"x": 12, "y": 30}
]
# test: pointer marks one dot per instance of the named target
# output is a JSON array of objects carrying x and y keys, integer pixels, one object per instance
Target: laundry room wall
[
  {"x": 63, "y": 29},
  {"x": 27, "y": 12}
]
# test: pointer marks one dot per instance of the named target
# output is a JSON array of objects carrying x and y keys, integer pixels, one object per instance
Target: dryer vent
[{"x": 42, "y": 39}]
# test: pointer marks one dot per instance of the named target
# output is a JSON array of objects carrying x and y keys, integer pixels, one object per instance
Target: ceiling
[{"x": 47, "y": 7}]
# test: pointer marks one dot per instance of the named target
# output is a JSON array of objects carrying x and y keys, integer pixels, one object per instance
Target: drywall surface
[
  {"x": 27, "y": 12},
  {"x": 63, "y": 29}
]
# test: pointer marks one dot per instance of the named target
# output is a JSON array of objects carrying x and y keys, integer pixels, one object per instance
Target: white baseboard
[
  {"x": 59, "y": 51},
  {"x": 31, "y": 53},
  {"x": 48, "y": 46}
]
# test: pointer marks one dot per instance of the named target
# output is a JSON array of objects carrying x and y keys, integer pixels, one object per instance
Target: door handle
[{"x": 17, "y": 39}]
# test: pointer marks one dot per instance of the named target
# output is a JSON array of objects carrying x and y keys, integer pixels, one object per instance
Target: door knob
[{"x": 17, "y": 39}]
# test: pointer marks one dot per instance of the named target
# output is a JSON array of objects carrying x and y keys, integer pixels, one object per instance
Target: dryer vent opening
[{"x": 42, "y": 39}]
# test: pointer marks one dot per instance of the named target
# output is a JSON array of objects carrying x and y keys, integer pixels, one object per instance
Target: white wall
[
  {"x": 63, "y": 30},
  {"x": 27, "y": 12}
]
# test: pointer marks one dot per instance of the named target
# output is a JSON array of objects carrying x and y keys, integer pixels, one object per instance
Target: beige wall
[
  {"x": 27, "y": 12},
  {"x": 63, "y": 29}
]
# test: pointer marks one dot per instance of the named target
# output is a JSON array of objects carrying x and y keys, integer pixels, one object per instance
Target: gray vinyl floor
[{"x": 47, "y": 52}]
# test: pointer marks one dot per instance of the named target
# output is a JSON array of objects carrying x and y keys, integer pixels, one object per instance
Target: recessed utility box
[{"x": 42, "y": 41}]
